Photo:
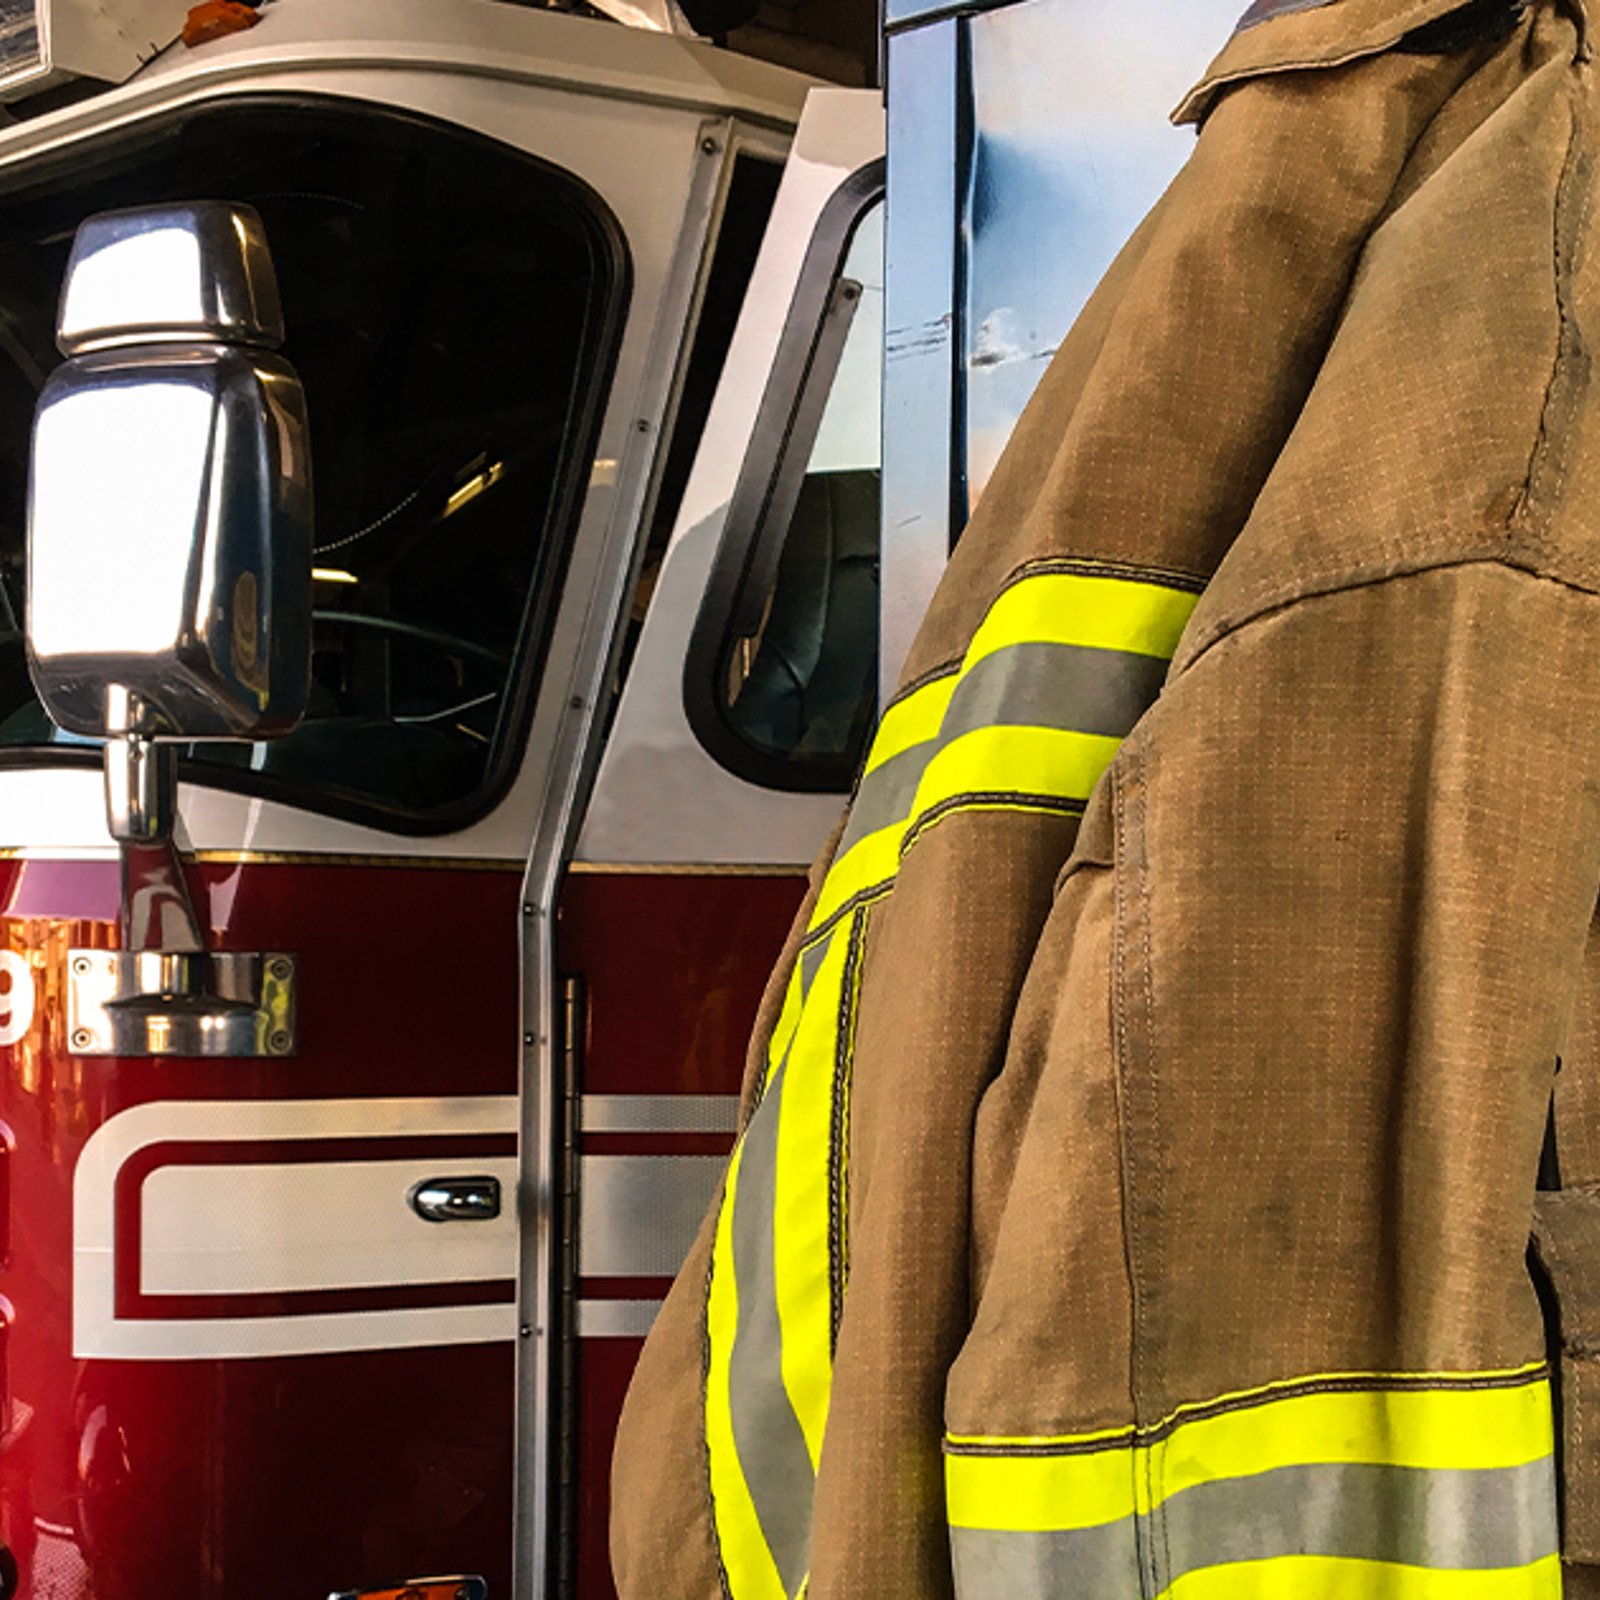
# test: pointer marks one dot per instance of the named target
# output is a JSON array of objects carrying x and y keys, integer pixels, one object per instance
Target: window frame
[
  {"x": 767, "y": 490},
  {"x": 598, "y": 360}
]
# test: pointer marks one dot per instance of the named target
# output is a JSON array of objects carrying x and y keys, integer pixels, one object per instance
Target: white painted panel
[
  {"x": 316, "y": 1225},
  {"x": 659, "y": 797},
  {"x": 97, "y": 1330}
]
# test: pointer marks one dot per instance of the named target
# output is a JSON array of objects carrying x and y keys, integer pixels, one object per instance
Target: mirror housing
[{"x": 169, "y": 508}]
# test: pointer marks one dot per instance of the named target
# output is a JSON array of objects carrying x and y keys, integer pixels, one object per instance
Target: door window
[
  {"x": 452, "y": 308},
  {"x": 781, "y": 680}
]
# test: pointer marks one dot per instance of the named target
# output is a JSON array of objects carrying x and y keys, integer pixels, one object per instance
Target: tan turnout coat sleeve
[{"x": 1143, "y": 1126}]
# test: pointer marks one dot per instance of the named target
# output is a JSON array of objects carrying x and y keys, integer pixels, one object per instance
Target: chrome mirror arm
[{"x": 141, "y": 775}]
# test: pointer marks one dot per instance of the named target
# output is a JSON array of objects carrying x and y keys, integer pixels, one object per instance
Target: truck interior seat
[{"x": 809, "y": 689}]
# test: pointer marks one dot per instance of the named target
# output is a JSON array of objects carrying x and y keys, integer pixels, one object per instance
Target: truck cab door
[{"x": 750, "y": 688}]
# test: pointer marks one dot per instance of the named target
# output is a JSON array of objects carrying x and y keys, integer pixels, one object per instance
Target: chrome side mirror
[
  {"x": 169, "y": 516},
  {"x": 169, "y": 588}
]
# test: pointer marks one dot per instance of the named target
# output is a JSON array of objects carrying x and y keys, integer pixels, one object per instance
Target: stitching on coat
[
  {"x": 1129, "y": 905},
  {"x": 839, "y": 1129},
  {"x": 1087, "y": 567},
  {"x": 1142, "y": 866},
  {"x": 1261, "y": 600},
  {"x": 989, "y": 800},
  {"x": 1548, "y": 464},
  {"x": 1038, "y": 566},
  {"x": 1576, "y": 1388},
  {"x": 1268, "y": 1394},
  {"x": 1347, "y": 583},
  {"x": 860, "y": 899}
]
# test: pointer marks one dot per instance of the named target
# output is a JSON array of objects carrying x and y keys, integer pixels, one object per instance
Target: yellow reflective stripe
[
  {"x": 847, "y": 1053},
  {"x": 928, "y": 753},
  {"x": 1444, "y": 1428},
  {"x": 1096, "y": 612},
  {"x": 871, "y": 862},
  {"x": 1529, "y": 1374},
  {"x": 1015, "y": 763},
  {"x": 1341, "y": 1578},
  {"x": 1019, "y": 1494},
  {"x": 803, "y": 1218},
  {"x": 1481, "y": 1422},
  {"x": 745, "y": 1557},
  {"x": 1372, "y": 1493},
  {"x": 1009, "y": 764},
  {"x": 911, "y": 720}
]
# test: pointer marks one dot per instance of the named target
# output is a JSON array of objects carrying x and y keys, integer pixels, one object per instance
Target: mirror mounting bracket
[{"x": 161, "y": 993}]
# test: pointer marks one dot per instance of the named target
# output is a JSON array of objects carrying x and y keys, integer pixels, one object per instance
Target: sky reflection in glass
[{"x": 1073, "y": 145}]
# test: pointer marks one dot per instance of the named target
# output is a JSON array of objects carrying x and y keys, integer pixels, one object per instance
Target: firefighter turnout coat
[{"x": 1144, "y": 1129}]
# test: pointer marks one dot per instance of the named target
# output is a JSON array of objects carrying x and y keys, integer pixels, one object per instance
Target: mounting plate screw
[
  {"x": 81, "y": 1038},
  {"x": 279, "y": 1043},
  {"x": 81, "y": 965},
  {"x": 281, "y": 968},
  {"x": 709, "y": 146}
]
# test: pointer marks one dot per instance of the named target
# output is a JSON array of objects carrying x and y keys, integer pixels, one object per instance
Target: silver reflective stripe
[
  {"x": 1069, "y": 687},
  {"x": 1414, "y": 1517},
  {"x": 616, "y": 1319},
  {"x": 1441, "y": 1519},
  {"x": 1097, "y": 1563},
  {"x": 886, "y": 793},
  {"x": 640, "y": 1214},
  {"x": 771, "y": 1447},
  {"x": 661, "y": 1113},
  {"x": 1043, "y": 685},
  {"x": 811, "y": 958}
]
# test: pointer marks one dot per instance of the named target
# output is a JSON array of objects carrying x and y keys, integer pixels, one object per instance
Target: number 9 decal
[{"x": 16, "y": 997}]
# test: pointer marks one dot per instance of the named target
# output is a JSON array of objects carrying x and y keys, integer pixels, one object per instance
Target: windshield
[{"x": 451, "y": 307}]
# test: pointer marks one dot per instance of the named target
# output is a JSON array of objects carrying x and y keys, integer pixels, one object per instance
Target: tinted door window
[
  {"x": 781, "y": 679},
  {"x": 451, "y": 307}
]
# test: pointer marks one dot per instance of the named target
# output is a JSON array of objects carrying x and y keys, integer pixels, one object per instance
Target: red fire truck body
[
  {"x": 236, "y": 1361},
  {"x": 591, "y": 326}
]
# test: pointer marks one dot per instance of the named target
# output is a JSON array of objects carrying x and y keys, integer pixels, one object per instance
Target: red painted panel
[
  {"x": 256, "y": 1479},
  {"x": 674, "y": 967},
  {"x": 291, "y": 1476}
]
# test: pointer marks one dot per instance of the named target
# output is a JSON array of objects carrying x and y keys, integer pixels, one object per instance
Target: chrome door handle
[{"x": 456, "y": 1199}]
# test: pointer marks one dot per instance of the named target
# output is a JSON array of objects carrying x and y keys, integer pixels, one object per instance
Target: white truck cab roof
[{"x": 473, "y": 38}]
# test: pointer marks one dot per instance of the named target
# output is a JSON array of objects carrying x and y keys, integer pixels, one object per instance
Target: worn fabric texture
[{"x": 1142, "y": 1132}]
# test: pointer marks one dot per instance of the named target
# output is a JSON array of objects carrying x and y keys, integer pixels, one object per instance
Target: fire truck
[{"x": 566, "y": 396}]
